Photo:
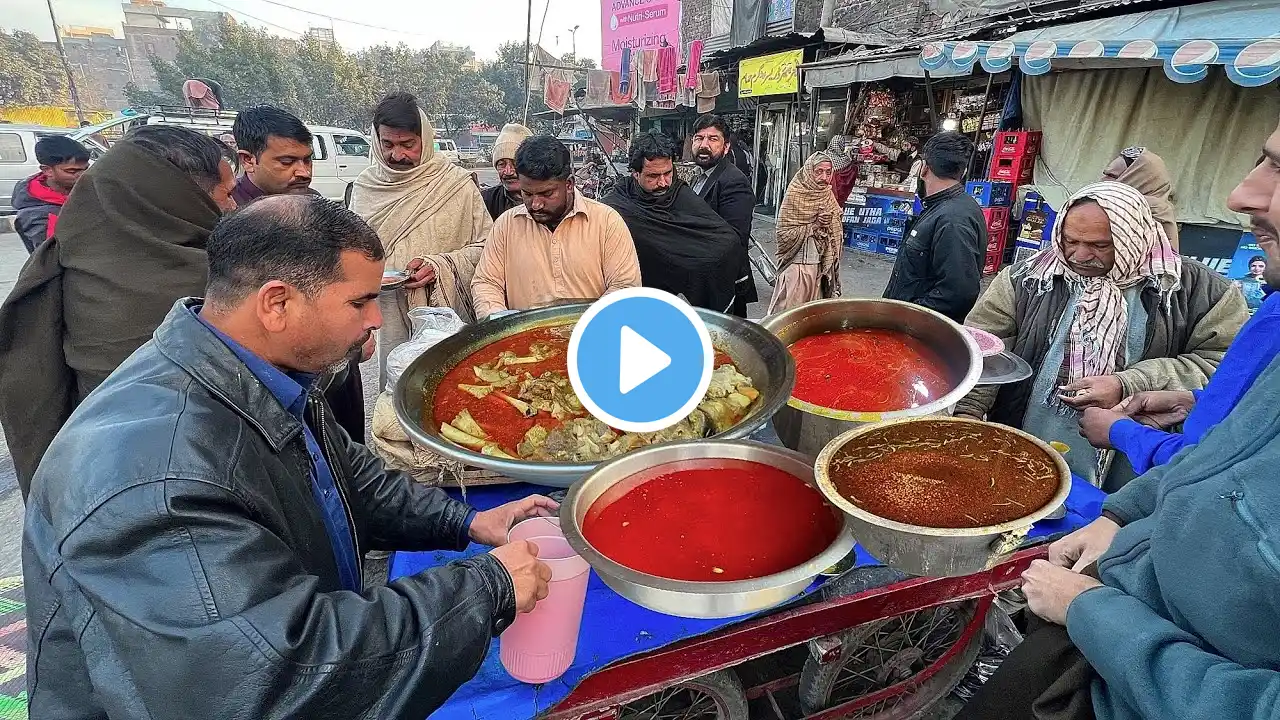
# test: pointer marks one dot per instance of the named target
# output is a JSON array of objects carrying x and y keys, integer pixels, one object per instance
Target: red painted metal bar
[{"x": 632, "y": 679}]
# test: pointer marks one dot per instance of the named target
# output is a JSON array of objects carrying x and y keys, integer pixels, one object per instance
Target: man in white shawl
[{"x": 429, "y": 215}]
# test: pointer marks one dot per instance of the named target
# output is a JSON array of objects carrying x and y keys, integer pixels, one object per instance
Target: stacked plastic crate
[{"x": 1013, "y": 160}]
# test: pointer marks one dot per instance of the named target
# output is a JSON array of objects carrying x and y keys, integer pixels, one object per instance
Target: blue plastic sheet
[{"x": 612, "y": 626}]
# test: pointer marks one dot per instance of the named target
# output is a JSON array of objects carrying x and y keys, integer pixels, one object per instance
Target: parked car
[
  {"x": 18, "y": 157},
  {"x": 469, "y": 156},
  {"x": 338, "y": 154},
  {"x": 449, "y": 150}
]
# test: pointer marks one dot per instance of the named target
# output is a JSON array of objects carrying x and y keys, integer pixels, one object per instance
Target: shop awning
[
  {"x": 858, "y": 67},
  {"x": 1240, "y": 35}
]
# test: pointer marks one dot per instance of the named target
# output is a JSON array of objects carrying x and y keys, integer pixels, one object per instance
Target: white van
[
  {"x": 339, "y": 154},
  {"x": 18, "y": 157},
  {"x": 449, "y": 150}
]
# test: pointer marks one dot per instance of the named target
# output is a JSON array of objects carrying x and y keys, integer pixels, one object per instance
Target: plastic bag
[
  {"x": 1000, "y": 636},
  {"x": 430, "y": 326}
]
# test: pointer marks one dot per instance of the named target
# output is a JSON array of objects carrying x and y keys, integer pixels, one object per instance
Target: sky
[{"x": 481, "y": 24}]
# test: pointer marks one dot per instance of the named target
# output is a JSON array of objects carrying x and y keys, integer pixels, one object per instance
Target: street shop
[
  {"x": 771, "y": 83},
  {"x": 1194, "y": 84},
  {"x": 865, "y": 100},
  {"x": 733, "y": 612}
]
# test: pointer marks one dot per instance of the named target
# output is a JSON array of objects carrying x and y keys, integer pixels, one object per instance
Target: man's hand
[
  {"x": 529, "y": 576},
  {"x": 1095, "y": 426},
  {"x": 1104, "y": 391},
  {"x": 421, "y": 274},
  {"x": 491, "y": 526},
  {"x": 966, "y": 416},
  {"x": 1083, "y": 546},
  {"x": 1050, "y": 589},
  {"x": 1160, "y": 409}
]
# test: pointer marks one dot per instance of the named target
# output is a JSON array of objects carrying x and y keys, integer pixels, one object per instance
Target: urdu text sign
[{"x": 775, "y": 74}]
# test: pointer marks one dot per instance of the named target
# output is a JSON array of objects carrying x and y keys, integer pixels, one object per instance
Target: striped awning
[{"x": 1241, "y": 36}]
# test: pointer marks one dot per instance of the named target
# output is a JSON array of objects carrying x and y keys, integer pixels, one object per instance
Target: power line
[
  {"x": 332, "y": 18},
  {"x": 258, "y": 19}
]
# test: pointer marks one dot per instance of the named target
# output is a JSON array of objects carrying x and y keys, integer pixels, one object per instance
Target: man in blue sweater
[
  {"x": 1139, "y": 426},
  {"x": 1166, "y": 606}
]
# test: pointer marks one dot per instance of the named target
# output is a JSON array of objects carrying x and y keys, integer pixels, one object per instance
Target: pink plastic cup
[{"x": 540, "y": 645}]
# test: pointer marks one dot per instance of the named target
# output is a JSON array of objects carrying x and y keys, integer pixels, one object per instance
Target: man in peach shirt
[{"x": 557, "y": 247}]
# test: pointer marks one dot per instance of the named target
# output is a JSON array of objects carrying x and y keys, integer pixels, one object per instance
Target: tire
[
  {"x": 819, "y": 682},
  {"x": 723, "y": 688},
  {"x": 346, "y": 196}
]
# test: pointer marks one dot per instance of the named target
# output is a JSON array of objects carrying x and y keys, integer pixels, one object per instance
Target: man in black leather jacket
[
  {"x": 194, "y": 533},
  {"x": 939, "y": 265}
]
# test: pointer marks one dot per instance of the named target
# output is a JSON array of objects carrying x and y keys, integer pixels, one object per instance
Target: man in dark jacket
[
  {"x": 728, "y": 192},
  {"x": 40, "y": 198},
  {"x": 506, "y": 194},
  {"x": 193, "y": 536},
  {"x": 939, "y": 264}
]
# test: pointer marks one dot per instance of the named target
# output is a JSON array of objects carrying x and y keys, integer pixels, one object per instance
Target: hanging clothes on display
[
  {"x": 597, "y": 87},
  {"x": 695, "y": 63},
  {"x": 649, "y": 66},
  {"x": 625, "y": 71},
  {"x": 668, "y": 64},
  {"x": 556, "y": 91},
  {"x": 619, "y": 90}
]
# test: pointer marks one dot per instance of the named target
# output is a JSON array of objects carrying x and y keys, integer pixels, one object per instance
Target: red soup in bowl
[{"x": 711, "y": 520}]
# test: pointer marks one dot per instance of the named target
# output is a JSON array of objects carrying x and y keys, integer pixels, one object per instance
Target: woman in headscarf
[
  {"x": 810, "y": 234},
  {"x": 1145, "y": 171}
]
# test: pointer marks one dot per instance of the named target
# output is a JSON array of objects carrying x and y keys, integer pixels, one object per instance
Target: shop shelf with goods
[{"x": 1036, "y": 228}]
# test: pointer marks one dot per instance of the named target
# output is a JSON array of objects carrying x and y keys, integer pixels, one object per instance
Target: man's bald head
[{"x": 294, "y": 239}]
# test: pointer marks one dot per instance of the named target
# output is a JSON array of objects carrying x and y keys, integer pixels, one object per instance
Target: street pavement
[{"x": 861, "y": 276}]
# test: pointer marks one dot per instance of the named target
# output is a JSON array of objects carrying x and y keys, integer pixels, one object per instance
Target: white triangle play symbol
[{"x": 640, "y": 360}]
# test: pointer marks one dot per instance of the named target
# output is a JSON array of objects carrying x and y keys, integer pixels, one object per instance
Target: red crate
[
  {"x": 1017, "y": 142},
  {"x": 997, "y": 219},
  {"x": 1017, "y": 169},
  {"x": 996, "y": 241},
  {"x": 992, "y": 265}
]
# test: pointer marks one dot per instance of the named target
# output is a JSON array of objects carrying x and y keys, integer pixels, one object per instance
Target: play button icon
[{"x": 640, "y": 359}]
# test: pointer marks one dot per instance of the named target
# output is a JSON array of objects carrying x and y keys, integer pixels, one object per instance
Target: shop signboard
[
  {"x": 638, "y": 25},
  {"x": 776, "y": 74}
]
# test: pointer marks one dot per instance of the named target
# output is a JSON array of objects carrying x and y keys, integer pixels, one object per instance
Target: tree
[
  {"x": 332, "y": 86},
  {"x": 30, "y": 73}
]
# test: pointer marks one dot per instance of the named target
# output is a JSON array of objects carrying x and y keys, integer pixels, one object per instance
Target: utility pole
[
  {"x": 528, "y": 60},
  {"x": 573, "y": 41},
  {"x": 66, "y": 66}
]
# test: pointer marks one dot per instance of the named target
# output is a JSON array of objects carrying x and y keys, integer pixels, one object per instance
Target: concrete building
[
  {"x": 101, "y": 65},
  {"x": 152, "y": 28}
]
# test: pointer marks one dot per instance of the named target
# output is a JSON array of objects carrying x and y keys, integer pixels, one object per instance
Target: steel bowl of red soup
[
  {"x": 860, "y": 361},
  {"x": 941, "y": 496},
  {"x": 707, "y": 529}
]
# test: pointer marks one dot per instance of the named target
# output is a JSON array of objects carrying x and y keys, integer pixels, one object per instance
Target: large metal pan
[
  {"x": 685, "y": 598},
  {"x": 939, "y": 552},
  {"x": 756, "y": 352},
  {"x": 807, "y": 427}
]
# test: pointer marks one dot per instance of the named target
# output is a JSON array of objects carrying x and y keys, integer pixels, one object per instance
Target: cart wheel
[
  {"x": 718, "y": 696},
  {"x": 884, "y": 653}
]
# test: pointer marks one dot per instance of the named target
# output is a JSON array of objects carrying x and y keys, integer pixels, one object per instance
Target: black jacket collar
[{"x": 190, "y": 345}]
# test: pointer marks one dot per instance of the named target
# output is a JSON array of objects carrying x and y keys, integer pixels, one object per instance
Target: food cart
[{"x": 867, "y": 641}]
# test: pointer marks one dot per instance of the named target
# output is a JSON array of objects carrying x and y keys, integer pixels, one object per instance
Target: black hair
[
  {"x": 194, "y": 153},
  {"x": 947, "y": 155},
  {"x": 711, "y": 121},
  {"x": 255, "y": 125},
  {"x": 911, "y": 140},
  {"x": 542, "y": 157},
  {"x": 58, "y": 149},
  {"x": 1257, "y": 258},
  {"x": 296, "y": 239},
  {"x": 649, "y": 146},
  {"x": 398, "y": 111}
]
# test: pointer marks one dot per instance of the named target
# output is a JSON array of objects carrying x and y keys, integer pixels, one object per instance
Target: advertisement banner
[
  {"x": 639, "y": 25},
  {"x": 775, "y": 74}
]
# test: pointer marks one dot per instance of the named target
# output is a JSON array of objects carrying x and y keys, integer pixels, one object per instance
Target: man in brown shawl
[
  {"x": 1145, "y": 171},
  {"x": 429, "y": 215},
  {"x": 129, "y": 243},
  {"x": 810, "y": 234}
]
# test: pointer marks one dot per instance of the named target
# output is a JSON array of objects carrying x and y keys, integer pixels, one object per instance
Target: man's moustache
[{"x": 1262, "y": 226}]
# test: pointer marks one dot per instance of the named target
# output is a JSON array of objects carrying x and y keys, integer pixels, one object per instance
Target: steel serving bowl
[
  {"x": 685, "y": 598},
  {"x": 757, "y": 354},
  {"x": 937, "y": 552},
  {"x": 807, "y": 427}
]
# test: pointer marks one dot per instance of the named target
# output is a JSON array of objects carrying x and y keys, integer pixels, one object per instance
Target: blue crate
[
  {"x": 858, "y": 240},
  {"x": 990, "y": 194}
]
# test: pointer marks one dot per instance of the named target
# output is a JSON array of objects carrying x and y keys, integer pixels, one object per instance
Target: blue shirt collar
[{"x": 289, "y": 388}]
